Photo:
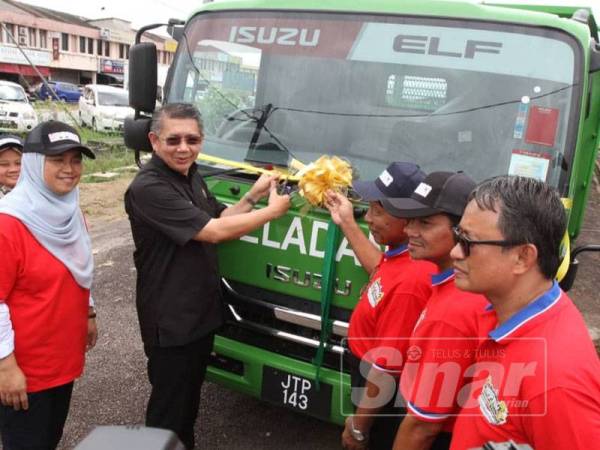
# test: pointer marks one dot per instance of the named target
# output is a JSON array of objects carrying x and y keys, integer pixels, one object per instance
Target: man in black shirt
[{"x": 176, "y": 222}]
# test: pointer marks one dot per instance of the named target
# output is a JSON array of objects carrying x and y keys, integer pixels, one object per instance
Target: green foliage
[{"x": 116, "y": 157}]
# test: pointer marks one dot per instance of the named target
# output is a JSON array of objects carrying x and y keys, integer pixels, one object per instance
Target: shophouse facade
[{"x": 65, "y": 47}]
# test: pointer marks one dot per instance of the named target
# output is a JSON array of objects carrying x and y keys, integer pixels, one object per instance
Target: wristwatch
[{"x": 356, "y": 434}]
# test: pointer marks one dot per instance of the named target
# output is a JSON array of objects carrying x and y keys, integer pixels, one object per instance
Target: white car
[
  {"x": 103, "y": 107},
  {"x": 16, "y": 113}
]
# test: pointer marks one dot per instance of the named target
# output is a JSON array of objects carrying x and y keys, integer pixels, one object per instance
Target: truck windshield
[{"x": 486, "y": 98}]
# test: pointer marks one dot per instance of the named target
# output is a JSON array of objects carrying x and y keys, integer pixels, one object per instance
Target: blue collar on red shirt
[
  {"x": 396, "y": 251},
  {"x": 540, "y": 305},
  {"x": 442, "y": 277}
]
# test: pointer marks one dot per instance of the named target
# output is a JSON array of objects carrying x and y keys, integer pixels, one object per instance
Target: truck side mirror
[
  {"x": 142, "y": 76},
  {"x": 176, "y": 32}
]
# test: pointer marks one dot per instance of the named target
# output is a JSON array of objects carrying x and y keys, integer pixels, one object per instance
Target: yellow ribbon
[
  {"x": 565, "y": 245},
  {"x": 284, "y": 174},
  {"x": 326, "y": 173}
]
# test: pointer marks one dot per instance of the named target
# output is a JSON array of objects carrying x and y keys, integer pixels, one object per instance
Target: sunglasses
[
  {"x": 190, "y": 139},
  {"x": 466, "y": 243}
]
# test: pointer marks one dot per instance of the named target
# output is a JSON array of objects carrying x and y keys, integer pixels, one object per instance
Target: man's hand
[
  {"x": 348, "y": 442},
  {"x": 13, "y": 385},
  {"x": 340, "y": 208},
  {"x": 262, "y": 187},
  {"x": 279, "y": 204},
  {"x": 92, "y": 334}
]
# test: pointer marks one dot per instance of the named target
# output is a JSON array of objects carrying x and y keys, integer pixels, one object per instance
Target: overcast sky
[
  {"x": 144, "y": 12},
  {"x": 138, "y": 12}
]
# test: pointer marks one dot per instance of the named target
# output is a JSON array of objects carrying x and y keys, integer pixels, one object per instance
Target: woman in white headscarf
[{"x": 47, "y": 320}]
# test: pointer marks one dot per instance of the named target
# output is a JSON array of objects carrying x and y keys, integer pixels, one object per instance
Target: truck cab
[{"x": 488, "y": 90}]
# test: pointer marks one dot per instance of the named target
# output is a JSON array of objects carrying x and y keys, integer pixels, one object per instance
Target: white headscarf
[{"x": 56, "y": 221}]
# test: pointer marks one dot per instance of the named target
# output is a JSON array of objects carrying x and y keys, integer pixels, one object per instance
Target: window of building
[
  {"x": 32, "y": 37},
  {"x": 99, "y": 47},
  {"x": 121, "y": 51},
  {"x": 106, "y": 48},
  {"x": 64, "y": 41},
  {"x": 81, "y": 44},
  {"x": 10, "y": 28},
  {"x": 90, "y": 46},
  {"x": 43, "y": 39},
  {"x": 127, "y": 51}
]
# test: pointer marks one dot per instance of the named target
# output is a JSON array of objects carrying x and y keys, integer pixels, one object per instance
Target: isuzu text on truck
[{"x": 448, "y": 85}]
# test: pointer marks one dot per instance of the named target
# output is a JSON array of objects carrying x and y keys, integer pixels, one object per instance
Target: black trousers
[
  {"x": 176, "y": 375},
  {"x": 385, "y": 427},
  {"x": 41, "y": 426}
]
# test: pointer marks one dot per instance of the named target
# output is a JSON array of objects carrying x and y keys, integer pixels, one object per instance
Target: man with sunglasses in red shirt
[
  {"x": 442, "y": 344},
  {"x": 176, "y": 223},
  {"x": 537, "y": 372}
]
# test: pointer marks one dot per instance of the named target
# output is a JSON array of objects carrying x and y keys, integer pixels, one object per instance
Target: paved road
[{"x": 114, "y": 389}]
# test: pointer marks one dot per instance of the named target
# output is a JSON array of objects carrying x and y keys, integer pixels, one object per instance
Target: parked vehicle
[
  {"x": 16, "y": 113},
  {"x": 103, "y": 107},
  {"x": 449, "y": 85},
  {"x": 67, "y": 92}
]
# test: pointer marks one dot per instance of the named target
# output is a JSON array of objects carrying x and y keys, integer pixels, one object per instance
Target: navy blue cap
[
  {"x": 440, "y": 192},
  {"x": 399, "y": 180}
]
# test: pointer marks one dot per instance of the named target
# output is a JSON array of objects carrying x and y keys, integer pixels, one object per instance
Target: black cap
[
  {"x": 440, "y": 192},
  {"x": 53, "y": 138},
  {"x": 11, "y": 141},
  {"x": 399, "y": 180}
]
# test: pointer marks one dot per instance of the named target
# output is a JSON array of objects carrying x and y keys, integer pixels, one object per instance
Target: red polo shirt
[
  {"x": 48, "y": 309},
  {"x": 441, "y": 349},
  {"x": 537, "y": 380},
  {"x": 388, "y": 308}
]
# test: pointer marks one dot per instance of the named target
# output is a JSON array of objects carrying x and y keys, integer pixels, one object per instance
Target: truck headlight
[{"x": 29, "y": 115}]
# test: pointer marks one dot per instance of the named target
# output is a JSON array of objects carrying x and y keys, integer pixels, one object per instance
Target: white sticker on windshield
[
  {"x": 529, "y": 164},
  {"x": 423, "y": 189},
  {"x": 465, "y": 136},
  {"x": 386, "y": 178}
]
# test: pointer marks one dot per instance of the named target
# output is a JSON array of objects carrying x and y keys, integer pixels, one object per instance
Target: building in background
[{"x": 65, "y": 47}]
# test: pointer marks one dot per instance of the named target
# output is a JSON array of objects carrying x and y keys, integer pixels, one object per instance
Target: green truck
[{"x": 488, "y": 89}]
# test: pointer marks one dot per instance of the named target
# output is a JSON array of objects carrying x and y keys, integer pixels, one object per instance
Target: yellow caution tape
[
  {"x": 284, "y": 174},
  {"x": 565, "y": 245}
]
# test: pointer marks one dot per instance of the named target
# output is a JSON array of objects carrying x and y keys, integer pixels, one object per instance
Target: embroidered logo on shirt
[
  {"x": 375, "y": 292},
  {"x": 494, "y": 410}
]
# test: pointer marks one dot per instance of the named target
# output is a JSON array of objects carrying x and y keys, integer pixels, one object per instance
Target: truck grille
[{"x": 282, "y": 324}]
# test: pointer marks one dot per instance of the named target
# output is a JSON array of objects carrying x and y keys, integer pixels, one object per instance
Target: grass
[{"x": 116, "y": 157}]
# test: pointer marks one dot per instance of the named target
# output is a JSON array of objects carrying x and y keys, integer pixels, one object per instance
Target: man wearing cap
[
  {"x": 443, "y": 340},
  {"x": 388, "y": 308},
  {"x": 47, "y": 320},
  {"x": 11, "y": 148},
  {"x": 537, "y": 375}
]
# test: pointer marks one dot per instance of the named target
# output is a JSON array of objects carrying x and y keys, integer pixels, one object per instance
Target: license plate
[{"x": 296, "y": 392}]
